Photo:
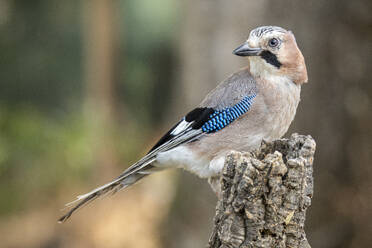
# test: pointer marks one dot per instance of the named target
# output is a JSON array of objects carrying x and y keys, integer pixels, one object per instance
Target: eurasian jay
[{"x": 256, "y": 103}]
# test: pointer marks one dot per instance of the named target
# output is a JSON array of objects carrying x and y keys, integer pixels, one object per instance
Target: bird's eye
[{"x": 274, "y": 42}]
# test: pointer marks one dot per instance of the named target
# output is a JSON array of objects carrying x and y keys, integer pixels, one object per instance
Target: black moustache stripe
[{"x": 271, "y": 58}]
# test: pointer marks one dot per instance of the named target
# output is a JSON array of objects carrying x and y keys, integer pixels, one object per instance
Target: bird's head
[{"x": 273, "y": 51}]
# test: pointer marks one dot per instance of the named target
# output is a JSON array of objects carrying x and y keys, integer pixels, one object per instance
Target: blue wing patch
[
  {"x": 207, "y": 119},
  {"x": 221, "y": 118}
]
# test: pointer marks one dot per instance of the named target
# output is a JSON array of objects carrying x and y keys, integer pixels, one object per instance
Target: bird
[{"x": 256, "y": 103}]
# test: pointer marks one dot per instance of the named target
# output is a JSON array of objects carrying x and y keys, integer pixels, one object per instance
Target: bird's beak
[{"x": 246, "y": 50}]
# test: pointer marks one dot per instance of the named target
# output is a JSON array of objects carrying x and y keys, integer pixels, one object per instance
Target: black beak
[{"x": 245, "y": 50}]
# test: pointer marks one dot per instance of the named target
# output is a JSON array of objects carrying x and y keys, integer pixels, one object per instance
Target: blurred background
[{"x": 87, "y": 87}]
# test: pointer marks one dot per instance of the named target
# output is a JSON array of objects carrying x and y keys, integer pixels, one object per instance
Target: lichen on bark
[{"x": 265, "y": 195}]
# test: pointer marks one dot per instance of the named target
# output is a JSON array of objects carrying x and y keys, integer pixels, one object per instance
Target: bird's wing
[
  {"x": 229, "y": 101},
  {"x": 198, "y": 122}
]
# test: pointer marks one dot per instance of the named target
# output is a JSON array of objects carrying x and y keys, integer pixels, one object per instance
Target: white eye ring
[{"x": 274, "y": 42}]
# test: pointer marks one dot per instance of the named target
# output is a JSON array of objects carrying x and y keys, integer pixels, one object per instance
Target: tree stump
[{"x": 264, "y": 196}]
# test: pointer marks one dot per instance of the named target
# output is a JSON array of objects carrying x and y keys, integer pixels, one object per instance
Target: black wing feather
[
  {"x": 198, "y": 116},
  {"x": 166, "y": 137}
]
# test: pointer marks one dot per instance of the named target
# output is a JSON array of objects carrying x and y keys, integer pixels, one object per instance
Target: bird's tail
[{"x": 112, "y": 187}]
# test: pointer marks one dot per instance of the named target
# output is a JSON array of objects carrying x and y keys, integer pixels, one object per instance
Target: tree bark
[{"x": 265, "y": 195}]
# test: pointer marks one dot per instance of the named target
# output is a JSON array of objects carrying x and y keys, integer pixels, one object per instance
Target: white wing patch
[{"x": 181, "y": 127}]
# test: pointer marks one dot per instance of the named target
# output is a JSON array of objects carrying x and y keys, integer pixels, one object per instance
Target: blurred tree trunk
[
  {"x": 99, "y": 45},
  {"x": 210, "y": 31}
]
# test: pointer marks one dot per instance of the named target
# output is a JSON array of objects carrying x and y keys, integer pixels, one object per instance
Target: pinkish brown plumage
[{"x": 254, "y": 104}]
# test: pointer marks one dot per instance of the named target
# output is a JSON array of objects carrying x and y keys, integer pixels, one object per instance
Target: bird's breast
[{"x": 281, "y": 97}]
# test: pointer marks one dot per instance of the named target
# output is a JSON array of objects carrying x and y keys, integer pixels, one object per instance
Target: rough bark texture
[{"x": 265, "y": 195}]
